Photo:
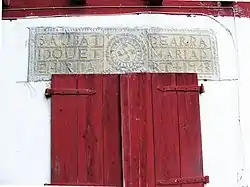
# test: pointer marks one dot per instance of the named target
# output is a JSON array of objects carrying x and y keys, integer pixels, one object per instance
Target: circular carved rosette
[{"x": 126, "y": 53}]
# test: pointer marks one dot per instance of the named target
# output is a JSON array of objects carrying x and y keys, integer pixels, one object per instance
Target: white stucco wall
[{"x": 25, "y": 113}]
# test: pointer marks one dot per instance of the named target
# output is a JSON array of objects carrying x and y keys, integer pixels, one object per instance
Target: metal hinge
[
  {"x": 181, "y": 180},
  {"x": 58, "y": 91},
  {"x": 199, "y": 89},
  {"x": 79, "y": 184}
]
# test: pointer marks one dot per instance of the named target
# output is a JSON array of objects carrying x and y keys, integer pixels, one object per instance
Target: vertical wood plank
[
  {"x": 112, "y": 131},
  {"x": 126, "y": 137},
  {"x": 166, "y": 130},
  {"x": 64, "y": 131},
  {"x": 190, "y": 129},
  {"x": 90, "y": 136},
  {"x": 137, "y": 130}
]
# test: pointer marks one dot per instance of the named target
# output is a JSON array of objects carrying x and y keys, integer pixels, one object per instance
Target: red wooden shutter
[
  {"x": 160, "y": 130},
  {"x": 177, "y": 131},
  {"x": 86, "y": 130},
  {"x": 137, "y": 130}
]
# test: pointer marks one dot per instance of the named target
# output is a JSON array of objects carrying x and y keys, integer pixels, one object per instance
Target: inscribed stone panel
[{"x": 121, "y": 50}]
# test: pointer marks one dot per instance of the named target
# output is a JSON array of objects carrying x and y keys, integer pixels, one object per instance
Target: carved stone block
[{"x": 121, "y": 50}]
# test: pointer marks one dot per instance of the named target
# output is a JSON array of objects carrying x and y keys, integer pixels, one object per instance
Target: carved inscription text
[{"x": 82, "y": 50}]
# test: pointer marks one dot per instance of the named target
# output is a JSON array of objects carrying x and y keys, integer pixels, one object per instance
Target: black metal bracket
[
  {"x": 78, "y": 2},
  {"x": 57, "y": 91},
  {"x": 154, "y": 2},
  {"x": 226, "y": 3},
  {"x": 199, "y": 89},
  {"x": 5, "y": 4},
  {"x": 181, "y": 180}
]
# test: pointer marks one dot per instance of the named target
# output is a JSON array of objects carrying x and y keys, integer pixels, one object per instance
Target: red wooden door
[
  {"x": 86, "y": 130},
  {"x": 157, "y": 115}
]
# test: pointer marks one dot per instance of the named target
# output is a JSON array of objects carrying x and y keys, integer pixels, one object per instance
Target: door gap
[{"x": 120, "y": 130}]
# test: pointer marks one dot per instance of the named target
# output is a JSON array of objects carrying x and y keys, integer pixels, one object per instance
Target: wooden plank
[
  {"x": 90, "y": 131},
  {"x": 166, "y": 130},
  {"x": 64, "y": 132},
  {"x": 99, "y": 131},
  {"x": 112, "y": 131},
  {"x": 190, "y": 129},
  {"x": 137, "y": 131}
]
